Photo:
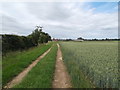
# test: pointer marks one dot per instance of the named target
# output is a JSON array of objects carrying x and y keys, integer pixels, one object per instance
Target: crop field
[
  {"x": 91, "y": 63},
  {"x": 15, "y": 62}
]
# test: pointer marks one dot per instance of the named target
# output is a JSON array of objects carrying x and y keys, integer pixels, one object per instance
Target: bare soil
[
  {"x": 20, "y": 76},
  {"x": 61, "y": 77}
]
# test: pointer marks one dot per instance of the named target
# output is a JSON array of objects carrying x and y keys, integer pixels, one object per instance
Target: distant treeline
[
  {"x": 15, "y": 42},
  {"x": 107, "y": 39},
  {"x": 88, "y": 39}
]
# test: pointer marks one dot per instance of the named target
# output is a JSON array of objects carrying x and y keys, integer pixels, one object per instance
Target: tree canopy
[{"x": 15, "y": 42}]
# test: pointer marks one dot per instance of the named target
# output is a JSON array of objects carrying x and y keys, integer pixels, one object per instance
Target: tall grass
[
  {"x": 41, "y": 75},
  {"x": 96, "y": 62},
  {"x": 14, "y": 63}
]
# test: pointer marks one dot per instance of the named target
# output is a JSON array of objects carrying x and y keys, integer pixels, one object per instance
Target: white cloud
[{"x": 61, "y": 20}]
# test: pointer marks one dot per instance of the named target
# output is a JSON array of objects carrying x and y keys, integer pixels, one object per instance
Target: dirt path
[
  {"x": 19, "y": 78},
  {"x": 61, "y": 77}
]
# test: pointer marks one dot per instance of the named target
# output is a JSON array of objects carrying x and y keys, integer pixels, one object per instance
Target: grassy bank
[
  {"x": 92, "y": 63},
  {"x": 14, "y": 63},
  {"x": 41, "y": 75}
]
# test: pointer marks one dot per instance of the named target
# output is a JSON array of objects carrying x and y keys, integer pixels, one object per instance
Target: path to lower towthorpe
[
  {"x": 61, "y": 77},
  {"x": 20, "y": 76}
]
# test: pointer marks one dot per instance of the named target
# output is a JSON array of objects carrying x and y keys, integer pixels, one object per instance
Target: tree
[
  {"x": 80, "y": 38},
  {"x": 39, "y": 37}
]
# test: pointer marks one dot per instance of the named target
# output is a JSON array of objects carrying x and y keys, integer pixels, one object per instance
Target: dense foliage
[
  {"x": 98, "y": 61},
  {"x": 15, "y": 42}
]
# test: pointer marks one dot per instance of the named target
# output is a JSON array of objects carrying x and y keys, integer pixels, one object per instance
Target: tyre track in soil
[
  {"x": 16, "y": 80},
  {"x": 61, "y": 77}
]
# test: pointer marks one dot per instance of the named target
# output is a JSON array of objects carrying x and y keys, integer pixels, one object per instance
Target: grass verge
[
  {"x": 13, "y": 64},
  {"x": 41, "y": 76}
]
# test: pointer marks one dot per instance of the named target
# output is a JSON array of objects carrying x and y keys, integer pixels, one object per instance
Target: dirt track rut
[{"x": 61, "y": 77}]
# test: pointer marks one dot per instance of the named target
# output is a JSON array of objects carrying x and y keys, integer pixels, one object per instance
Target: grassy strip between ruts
[
  {"x": 41, "y": 75},
  {"x": 13, "y": 64}
]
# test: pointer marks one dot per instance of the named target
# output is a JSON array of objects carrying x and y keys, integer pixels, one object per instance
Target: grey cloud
[
  {"x": 12, "y": 26},
  {"x": 49, "y": 11}
]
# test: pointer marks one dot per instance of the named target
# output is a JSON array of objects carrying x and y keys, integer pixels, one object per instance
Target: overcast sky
[{"x": 61, "y": 19}]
